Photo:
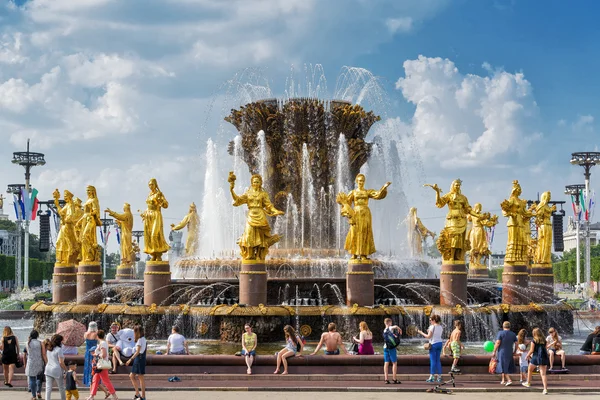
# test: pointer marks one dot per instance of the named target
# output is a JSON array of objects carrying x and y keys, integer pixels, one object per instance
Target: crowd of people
[{"x": 45, "y": 360}]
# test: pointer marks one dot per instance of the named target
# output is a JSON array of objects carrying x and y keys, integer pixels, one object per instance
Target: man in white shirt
[{"x": 176, "y": 343}]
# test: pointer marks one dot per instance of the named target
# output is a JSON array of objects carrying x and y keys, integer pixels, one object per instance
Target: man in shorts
[
  {"x": 332, "y": 340},
  {"x": 389, "y": 352}
]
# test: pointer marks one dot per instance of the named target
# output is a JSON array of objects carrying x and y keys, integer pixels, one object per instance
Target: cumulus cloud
[{"x": 469, "y": 119}]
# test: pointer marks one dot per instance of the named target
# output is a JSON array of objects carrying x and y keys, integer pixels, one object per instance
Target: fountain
[{"x": 307, "y": 150}]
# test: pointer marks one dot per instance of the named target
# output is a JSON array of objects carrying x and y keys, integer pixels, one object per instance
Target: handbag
[
  {"x": 103, "y": 364},
  {"x": 493, "y": 365},
  {"x": 19, "y": 362},
  {"x": 427, "y": 346}
]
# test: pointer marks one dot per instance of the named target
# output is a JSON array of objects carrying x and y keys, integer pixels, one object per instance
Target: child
[
  {"x": 71, "y": 381},
  {"x": 455, "y": 345},
  {"x": 522, "y": 352}
]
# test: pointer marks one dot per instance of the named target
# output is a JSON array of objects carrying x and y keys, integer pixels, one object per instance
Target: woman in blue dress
[
  {"x": 538, "y": 354},
  {"x": 91, "y": 341},
  {"x": 504, "y": 351}
]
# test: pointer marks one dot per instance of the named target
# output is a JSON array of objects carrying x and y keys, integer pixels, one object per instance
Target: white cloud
[
  {"x": 470, "y": 119},
  {"x": 10, "y": 49},
  {"x": 584, "y": 123},
  {"x": 402, "y": 25}
]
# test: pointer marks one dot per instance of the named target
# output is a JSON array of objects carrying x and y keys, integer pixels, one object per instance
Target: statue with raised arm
[
  {"x": 359, "y": 241},
  {"x": 88, "y": 223},
  {"x": 2, "y": 201},
  {"x": 417, "y": 233},
  {"x": 125, "y": 223},
  {"x": 192, "y": 221},
  {"x": 543, "y": 220},
  {"x": 66, "y": 241},
  {"x": 154, "y": 237},
  {"x": 452, "y": 242},
  {"x": 518, "y": 226},
  {"x": 478, "y": 237},
  {"x": 256, "y": 239}
]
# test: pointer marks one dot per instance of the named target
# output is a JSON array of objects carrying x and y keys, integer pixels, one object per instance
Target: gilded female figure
[
  {"x": 125, "y": 222},
  {"x": 543, "y": 215},
  {"x": 452, "y": 242},
  {"x": 154, "y": 237},
  {"x": 518, "y": 226},
  {"x": 88, "y": 223},
  {"x": 417, "y": 233},
  {"x": 477, "y": 235},
  {"x": 192, "y": 221},
  {"x": 66, "y": 242},
  {"x": 256, "y": 239},
  {"x": 359, "y": 241}
]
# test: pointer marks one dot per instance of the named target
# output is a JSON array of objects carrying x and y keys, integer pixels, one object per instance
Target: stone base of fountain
[
  {"x": 541, "y": 280},
  {"x": 515, "y": 282},
  {"x": 157, "y": 282},
  {"x": 360, "y": 283},
  {"x": 225, "y": 322},
  {"x": 89, "y": 279},
  {"x": 253, "y": 283},
  {"x": 64, "y": 280},
  {"x": 453, "y": 284},
  {"x": 125, "y": 271},
  {"x": 478, "y": 271}
]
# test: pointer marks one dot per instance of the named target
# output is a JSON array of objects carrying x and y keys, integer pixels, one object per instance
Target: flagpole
[{"x": 106, "y": 222}]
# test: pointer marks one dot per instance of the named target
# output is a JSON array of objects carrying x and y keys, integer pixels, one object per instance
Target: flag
[
  {"x": 22, "y": 208},
  {"x": 26, "y": 204},
  {"x": 102, "y": 236},
  {"x": 118, "y": 235},
  {"x": 15, "y": 203},
  {"x": 34, "y": 204}
]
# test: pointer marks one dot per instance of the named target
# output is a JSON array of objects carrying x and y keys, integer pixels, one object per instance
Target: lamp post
[
  {"x": 27, "y": 160},
  {"x": 106, "y": 222},
  {"x": 16, "y": 189},
  {"x": 586, "y": 159},
  {"x": 575, "y": 191}
]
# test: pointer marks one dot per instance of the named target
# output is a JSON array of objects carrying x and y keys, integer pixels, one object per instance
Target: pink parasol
[{"x": 72, "y": 332}]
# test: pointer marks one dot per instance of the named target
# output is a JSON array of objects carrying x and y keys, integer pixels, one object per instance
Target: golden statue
[
  {"x": 2, "y": 201},
  {"x": 518, "y": 226},
  {"x": 77, "y": 214},
  {"x": 88, "y": 223},
  {"x": 543, "y": 215},
  {"x": 477, "y": 235},
  {"x": 125, "y": 223},
  {"x": 192, "y": 221},
  {"x": 154, "y": 237},
  {"x": 66, "y": 242},
  {"x": 452, "y": 242},
  {"x": 256, "y": 239},
  {"x": 359, "y": 241},
  {"x": 417, "y": 233}
]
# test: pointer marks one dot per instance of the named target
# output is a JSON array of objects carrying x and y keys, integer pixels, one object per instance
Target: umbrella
[{"x": 72, "y": 332}]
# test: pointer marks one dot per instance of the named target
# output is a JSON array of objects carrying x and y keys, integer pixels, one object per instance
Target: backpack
[
  {"x": 391, "y": 339},
  {"x": 596, "y": 345},
  {"x": 298, "y": 340}
]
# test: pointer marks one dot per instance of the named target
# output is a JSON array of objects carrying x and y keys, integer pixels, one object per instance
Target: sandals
[
  {"x": 397, "y": 382},
  {"x": 387, "y": 382}
]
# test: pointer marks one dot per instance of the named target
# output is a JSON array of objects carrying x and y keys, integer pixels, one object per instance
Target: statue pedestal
[
  {"x": 453, "y": 284},
  {"x": 157, "y": 282},
  {"x": 359, "y": 283},
  {"x": 253, "y": 283},
  {"x": 125, "y": 272},
  {"x": 89, "y": 278},
  {"x": 478, "y": 271},
  {"x": 64, "y": 283},
  {"x": 541, "y": 280},
  {"x": 515, "y": 279}
]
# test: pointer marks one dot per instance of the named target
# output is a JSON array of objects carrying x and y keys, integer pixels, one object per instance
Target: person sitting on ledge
[
  {"x": 332, "y": 340},
  {"x": 364, "y": 340},
  {"x": 587, "y": 349},
  {"x": 176, "y": 343},
  {"x": 293, "y": 346},
  {"x": 249, "y": 343},
  {"x": 555, "y": 347}
]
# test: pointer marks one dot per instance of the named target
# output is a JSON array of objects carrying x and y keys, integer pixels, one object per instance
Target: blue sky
[{"x": 117, "y": 92}]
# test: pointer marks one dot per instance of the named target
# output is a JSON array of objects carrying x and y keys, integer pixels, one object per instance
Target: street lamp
[
  {"x": 575, "y": 191},
  {"x": 16, "y": 189},
  {"x": 586, "y": 159},
  {"x": 27, "y": 160},
  {"x": 106, "y": 222}
]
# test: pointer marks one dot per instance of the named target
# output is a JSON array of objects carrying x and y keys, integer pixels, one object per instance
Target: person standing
[
  {"x": 391, "y": 339},
  {"x": 504, "y": 351},
  {"x": 364, "y": 340},
  {"x": 249, "y": 343},
  {"x": 538, "y": 354},
  {"x": 455, "y": 345},
  {"x": 34, "y": 364},
  {"x": 139, "y": 363},
  {"x": 71, "y": 382},
  {"x": 522, "y": 343},
  {"x": 10, "y": 354},
  {"x": 434, "y": 334},
  {"x": 55, "y": 366},
  {"x": 91, "y": 341},
  {"x": 101, "y": 353},
  {"x": 176, "y": 343}
]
